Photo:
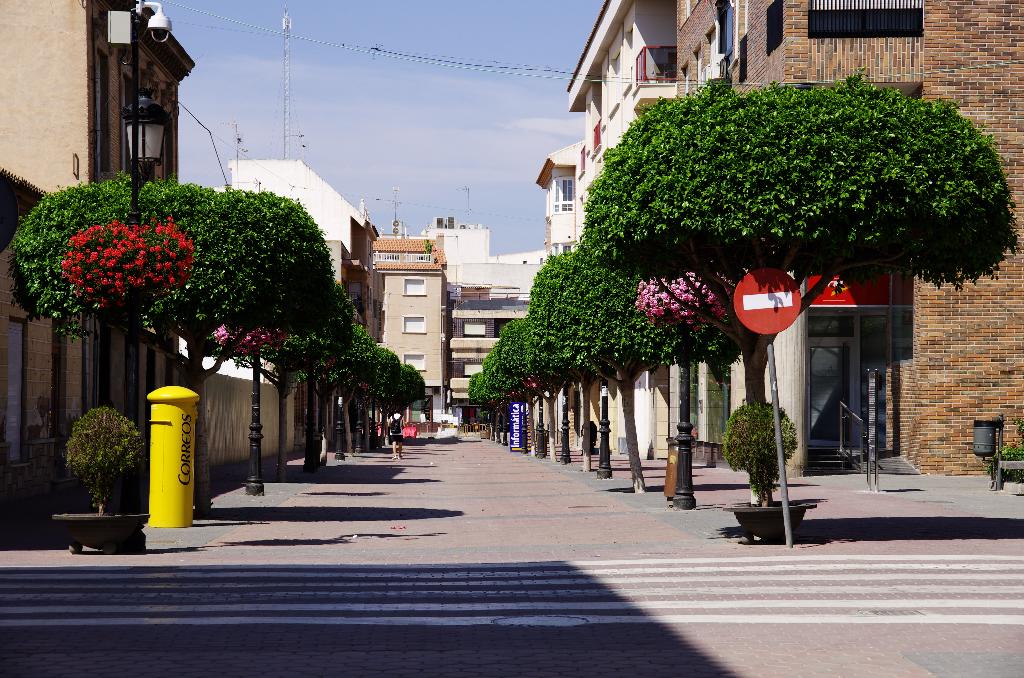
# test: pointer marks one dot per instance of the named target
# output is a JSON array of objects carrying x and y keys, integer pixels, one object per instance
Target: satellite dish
[{"x": 396, "y": 226}]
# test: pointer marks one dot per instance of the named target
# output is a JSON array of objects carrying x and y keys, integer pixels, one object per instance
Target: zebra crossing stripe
[{"x": 555, "y": 620}]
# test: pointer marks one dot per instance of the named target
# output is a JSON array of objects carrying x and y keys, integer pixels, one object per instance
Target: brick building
[
  {"x": 60, "y": 125},
  {"x": 949, "y": 356},
  {"x": 415, "y": 313}
]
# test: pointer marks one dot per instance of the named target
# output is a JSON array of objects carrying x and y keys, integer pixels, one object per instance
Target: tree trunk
[
  {"x": 755, "y": 361},
  {"x": 282, "y": 428},
  {"x": 625, "y": 383},
  {"x": 365, "y": 414},
  {"x": 585, "y": 426},
  {"x": 321, "y": 415},
  {"x": 201, "y": 463}
]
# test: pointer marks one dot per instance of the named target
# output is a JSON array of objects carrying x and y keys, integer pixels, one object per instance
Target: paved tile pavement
[{"x": 468, "y": 560}]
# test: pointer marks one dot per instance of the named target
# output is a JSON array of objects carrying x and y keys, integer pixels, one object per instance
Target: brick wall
[
  {"x": 969, "y": 345},
  {"x": 798, "y": 58}
]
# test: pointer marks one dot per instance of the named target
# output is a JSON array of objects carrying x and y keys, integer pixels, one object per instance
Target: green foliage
[
  {"x": 511, "y": 361},
  {"x": 1013, "y": 453},
  {"x": 319, "y": 347},
  {"x": 586, "y": 319},
  {"x": 481, "y": 392},
  {"x": 354, "y": 365},
  {"x": 412, "y": 387},
  {"x": 103, "y": 445},
  {"x": 386, "y": 374},
  {"x": 260, "y": 259},
  {"x": 851, "y": 178},
  {"x": 848, "y": 180},
  {"x": 749, "y": 445}
]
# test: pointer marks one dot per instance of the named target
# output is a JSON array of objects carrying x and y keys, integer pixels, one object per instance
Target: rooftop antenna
[
  {"x": 286, "y": 25},
  {"x": 469, "y": 209},
  {"x": 238, "y": 142},
  {"x": 396, "y": 225}
]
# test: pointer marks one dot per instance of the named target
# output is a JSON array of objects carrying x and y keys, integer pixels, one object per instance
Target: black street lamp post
[
  {"x": 566, "y": 457},
  {"x": 684, "y": 498},
  {"x": 339, "y": 430},
  {"x": 311, "y": 457},
  {"x": 542, "y": 437},
  {"x": 604, "y": 464},
  {"x": 254, "y": 483},
  {"x": 374, "y": 440},
  {"x": 357, "y": 444},
  {"x": 144, "y": 120},
  {"x": 504, "y": 429}
]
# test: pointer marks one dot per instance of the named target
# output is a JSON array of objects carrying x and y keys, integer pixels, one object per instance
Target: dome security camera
[{"x": 159, "y": 24}]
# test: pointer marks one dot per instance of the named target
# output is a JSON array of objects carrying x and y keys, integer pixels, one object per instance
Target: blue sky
[{"x": 370, "y": 122}]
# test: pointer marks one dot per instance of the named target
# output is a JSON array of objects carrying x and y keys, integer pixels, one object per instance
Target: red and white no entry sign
[{"x": 767, "y": 300}]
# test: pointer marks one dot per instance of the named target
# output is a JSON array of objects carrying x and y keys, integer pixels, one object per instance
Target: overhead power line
[{"x": 512, "y": 69}]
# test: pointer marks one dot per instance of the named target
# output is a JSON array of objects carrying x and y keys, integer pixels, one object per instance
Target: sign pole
[{"x": 783, "y": 485}]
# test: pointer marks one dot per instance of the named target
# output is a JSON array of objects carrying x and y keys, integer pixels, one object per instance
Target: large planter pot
[
  {"x": 1013, "y": 488},
  {"x": 103, "y": 532},
  {"x": 767, "y": 522}
]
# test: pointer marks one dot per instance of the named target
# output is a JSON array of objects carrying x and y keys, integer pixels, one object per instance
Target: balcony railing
[
  {"x": 865, "y": 18},
  {"x": 397, "y": 257},
  {"x": 656, "y": 63}
]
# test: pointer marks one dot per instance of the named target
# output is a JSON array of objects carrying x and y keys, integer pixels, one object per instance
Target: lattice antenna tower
[
  {"x": 396, "y": 225},
  {"x": 286, "y": 26},
  {"x": 469, "y": 207}
]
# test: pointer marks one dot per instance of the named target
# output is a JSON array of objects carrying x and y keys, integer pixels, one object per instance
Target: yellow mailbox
[{"x": 172, "y": 449}]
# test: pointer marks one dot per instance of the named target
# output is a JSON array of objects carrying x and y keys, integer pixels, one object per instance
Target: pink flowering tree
[
  {"x": 683, "y": 300},
  {"x": 244, "y": 345},
  {"x": 688, "y": 303}
]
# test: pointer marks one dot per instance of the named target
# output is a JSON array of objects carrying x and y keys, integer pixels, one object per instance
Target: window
[
  {"x": 656, "y": 63},
  {"x": 101, "y": 94},
  {"x": 774, "y": 17},
  {"x": 564, "y": 195},
  {"x": 583, "y": 160},
  {"x": 417, "y": 360},
  {"x": 725, "y": 29},
  {"x": 414, "y": 324},
  {"x": 469, "y": 369},
  {"x": 475, "y": 328},
  {"x": 865, "y": 18},
  {"x": 415, "y": 287}
]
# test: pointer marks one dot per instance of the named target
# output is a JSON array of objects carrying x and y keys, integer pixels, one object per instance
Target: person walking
[{"x": 395, "y": 434}]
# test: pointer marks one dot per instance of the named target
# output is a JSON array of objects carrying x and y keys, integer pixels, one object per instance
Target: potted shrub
[
  {"x": 103, "y": 446},
  {"x": 1013, "y": 480},
  {"x": 749, "y": 445}
]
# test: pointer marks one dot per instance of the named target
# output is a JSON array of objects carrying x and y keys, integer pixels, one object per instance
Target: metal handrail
[
  {"x": 868, "y": 453},
  {"x": 845, "y": 414}
]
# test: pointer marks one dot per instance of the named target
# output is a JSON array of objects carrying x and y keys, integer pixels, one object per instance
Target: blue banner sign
[{"x": 518, "y": 417}]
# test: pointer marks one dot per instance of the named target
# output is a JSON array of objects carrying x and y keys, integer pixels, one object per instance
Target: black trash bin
[{"x": 987, "y": 435}]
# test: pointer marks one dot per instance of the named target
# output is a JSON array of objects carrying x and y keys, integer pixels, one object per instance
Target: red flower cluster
[
  {"x": 249, "y": 343},
  {"x": 107, "y": 261}
]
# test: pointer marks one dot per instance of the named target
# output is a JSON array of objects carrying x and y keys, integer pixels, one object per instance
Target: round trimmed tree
[
  {"x": 260, "y": 261},
  {"x": 586, "y": 312},
  {"x": 851, "y": 181}
]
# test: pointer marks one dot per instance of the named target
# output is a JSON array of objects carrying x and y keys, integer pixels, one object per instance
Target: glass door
[{"x": 828, "y": 384}]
